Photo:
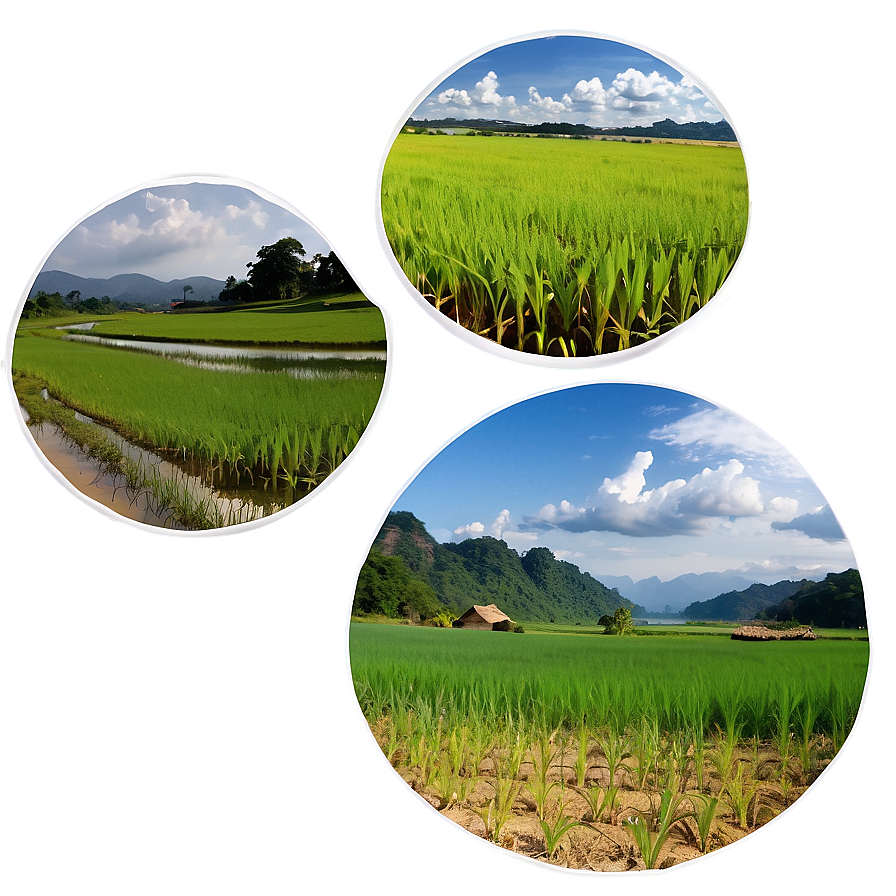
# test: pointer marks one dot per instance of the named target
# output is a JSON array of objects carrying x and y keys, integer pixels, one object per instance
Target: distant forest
[
  {"x": 695, "y": 130},
  {"x": 408, "y": 573}
]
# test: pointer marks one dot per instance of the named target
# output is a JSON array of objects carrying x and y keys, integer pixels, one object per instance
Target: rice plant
[{"x": 564, "y": 247}]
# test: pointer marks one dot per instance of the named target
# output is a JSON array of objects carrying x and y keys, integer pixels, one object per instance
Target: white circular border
[
  {"x": 526, "y": 359},
  {"x": 239, "y": 528},
  {"x": 416, "y": 803}
]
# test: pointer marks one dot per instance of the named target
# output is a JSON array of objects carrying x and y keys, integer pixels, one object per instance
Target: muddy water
[
  {"x": 232, "y": 506},
  {"x": 86, "y": 477}
]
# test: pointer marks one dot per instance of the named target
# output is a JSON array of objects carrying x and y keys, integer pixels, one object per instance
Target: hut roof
[{"x": 490, "y": 613}]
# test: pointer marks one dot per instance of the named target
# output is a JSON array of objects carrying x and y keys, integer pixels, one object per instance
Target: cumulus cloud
[
  {"x": 677, "y": 507},
  {"x": 487, "y": 91},
  {"x": 253, "y": 212},
  {"x": 471, "y": 529},
  {"x": 819, "y": 523},
  {"x": 495, "y": 528},
  {"x": 591, "y": 92},
  {"x": 455, "y": 97},
  {"x": 547, "y": 103},
  {"x": 632, "y": 98},
  {"x": 499, "y": 524}
]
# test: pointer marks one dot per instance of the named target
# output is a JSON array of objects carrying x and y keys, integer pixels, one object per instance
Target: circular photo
[
  {"x": 195, "y": 356},
  {"x": 566, "y": 196},
  {"x": 611, "y": 628}
]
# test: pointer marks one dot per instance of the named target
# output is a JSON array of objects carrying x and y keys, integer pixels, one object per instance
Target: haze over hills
[
  {"x": 133, "y": 288},
  {"x": 745, "y": 604},
  {"x": 655, "y": 595}
]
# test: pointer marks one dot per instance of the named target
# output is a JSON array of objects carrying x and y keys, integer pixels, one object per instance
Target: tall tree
[
  {"x": 332, "y": 275},
  {"x": 278, "y": 272},
  {"x": 187, "y": 289}
]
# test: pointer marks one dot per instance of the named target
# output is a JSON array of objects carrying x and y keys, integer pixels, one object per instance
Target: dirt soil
[{"x": 605, "y": 844}]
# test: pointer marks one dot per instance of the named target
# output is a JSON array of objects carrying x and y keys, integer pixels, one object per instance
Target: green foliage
[
  {"x": 278, "y": 272},
  {"x": 620, "y": 623},
  {"x": 385, "y": 586},
  {"x": 485, "y": 570},
  {"x": 836, "y": 602}
]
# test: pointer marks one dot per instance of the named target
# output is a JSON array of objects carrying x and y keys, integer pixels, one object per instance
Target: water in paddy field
[
  {"x": 304, "y": 364},
  {"x": 235, "y": 505}
]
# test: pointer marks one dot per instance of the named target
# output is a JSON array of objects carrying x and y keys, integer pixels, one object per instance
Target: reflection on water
[
  {"x": 229, "y": 505},
  {"x": 232, "y": 351}
]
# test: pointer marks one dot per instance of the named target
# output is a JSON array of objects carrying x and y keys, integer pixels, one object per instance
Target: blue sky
[
  {"x": 177, "y": 231},
  {"x": 584, "y": 80},
  {"x": 625, "y": 479}
]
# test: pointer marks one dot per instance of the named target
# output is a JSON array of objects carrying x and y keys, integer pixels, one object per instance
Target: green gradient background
[{"x": 177, "y": 716}]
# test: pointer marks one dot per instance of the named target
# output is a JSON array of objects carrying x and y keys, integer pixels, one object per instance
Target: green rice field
[
  {"x": 257, "y": 432},
  {"x": 348, "y": 320},
  {"x": 603, "y": 752},
  {"x": 564, "y": 247}
]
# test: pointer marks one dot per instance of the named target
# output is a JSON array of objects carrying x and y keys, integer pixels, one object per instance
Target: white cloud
[
  {"x": 715, "y": 430},
  {"x": 471, "y": 529},
  {"x": 591, "y": 92},
  {"x": 500, "y": 523},
  {"x": 455, "y": 97},
  {"x": 547, "y": 103},
  {"x": 623, "y": 505},
  {"x": 633, "y": 98},
  {"x": 487, "y": 91},
  {"x": 253, "y": 212}
]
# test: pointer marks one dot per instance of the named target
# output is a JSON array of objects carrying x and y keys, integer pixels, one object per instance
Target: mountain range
[
  {"x": 532, "y": 586},
  {"x": 137, "y": 289},
  {"x": 676, "y": 594}
]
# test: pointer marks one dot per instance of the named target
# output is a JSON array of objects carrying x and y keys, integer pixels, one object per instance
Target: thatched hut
[
  {"x": 488, "y": 618},
  {"x": 761, "y": 633}
]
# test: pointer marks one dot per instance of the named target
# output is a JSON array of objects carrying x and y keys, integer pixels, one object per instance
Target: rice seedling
[
  {"x": 650, "y": 834},
  {"x": 554, "y": 831},
  {"x": 741, "y": 795},
  {"x": 500, "y": 807},
  {"x": 705, "y": 808}
]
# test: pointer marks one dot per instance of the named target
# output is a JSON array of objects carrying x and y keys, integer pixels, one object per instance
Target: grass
[
  {"x": 564, "y": 247},
  {"x": 335, "y": 321},
  {"x": 263, "y": 429},
  {"x": 673, "y": 746}
]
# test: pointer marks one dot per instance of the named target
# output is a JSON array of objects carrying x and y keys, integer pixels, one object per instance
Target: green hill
[
  {"x": 739, "y": 605},
  {"x": 533, "y": 586},
  {"x": 836, "y": 602}
]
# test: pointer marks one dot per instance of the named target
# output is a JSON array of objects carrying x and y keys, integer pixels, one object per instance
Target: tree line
[
  {"x": 45, "y": 304},
  {"x": 281, "y": 272}
]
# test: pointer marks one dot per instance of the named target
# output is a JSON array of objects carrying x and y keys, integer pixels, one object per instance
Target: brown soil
[{"x": 605, "y": 844}]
